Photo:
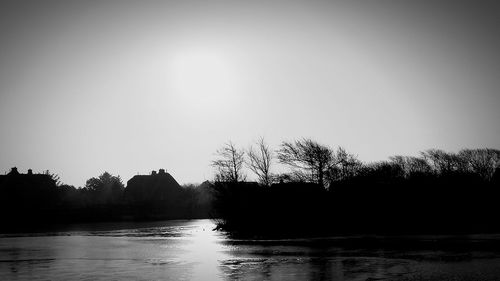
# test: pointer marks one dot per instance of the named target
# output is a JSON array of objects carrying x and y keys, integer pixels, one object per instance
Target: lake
[{"x": 191, "y": 250}]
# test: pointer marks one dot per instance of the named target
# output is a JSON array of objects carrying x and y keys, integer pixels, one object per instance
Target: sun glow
[{"x": 202, "y": 78}]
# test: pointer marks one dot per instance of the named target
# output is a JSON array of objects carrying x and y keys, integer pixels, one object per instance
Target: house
[{"x": 158, "y": 186}]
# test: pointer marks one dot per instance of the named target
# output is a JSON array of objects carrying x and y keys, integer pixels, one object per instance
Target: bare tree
[
  {"x": 259, "y": 161},
  {"x": 347, "y": 165},
  {"x": 229, "y": 164},
  {"x": 442, "y": 162},
  {"x": 411, "y": 165},
  {"x": 483, "y": 162},
  {"x": 308, "y": 158}
]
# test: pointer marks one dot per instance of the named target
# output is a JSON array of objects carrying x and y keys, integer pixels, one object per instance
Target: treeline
[
  {"x": 323, "y": 191},
  {"x": 327, "y": 191},
  {"x": 27, "y": 199}
]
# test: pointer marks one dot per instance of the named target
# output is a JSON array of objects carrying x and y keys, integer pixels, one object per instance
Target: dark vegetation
[
  {"x": 31, "y": 200},
  {"x": 330, "y": 192},
  {"x": 325, "y": 191}
]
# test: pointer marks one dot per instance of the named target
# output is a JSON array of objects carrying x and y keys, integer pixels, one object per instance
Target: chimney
[
  {"x": 13, "y": 171},
  {"x": 30, "y": 172},
  {"x": 162, "y": 171}
]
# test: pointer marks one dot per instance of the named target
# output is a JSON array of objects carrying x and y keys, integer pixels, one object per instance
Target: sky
[{"x": 133, "y": 86}]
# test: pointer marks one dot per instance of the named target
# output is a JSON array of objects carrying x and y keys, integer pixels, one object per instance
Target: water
[{"x": 191, "y": 250}]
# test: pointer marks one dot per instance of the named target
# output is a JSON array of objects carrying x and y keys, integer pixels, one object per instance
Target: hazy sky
[{"x": 128, "y": 87}]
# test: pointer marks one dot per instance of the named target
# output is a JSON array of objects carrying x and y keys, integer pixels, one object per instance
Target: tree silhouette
[
  {"x": 229, "y": 164},
  {"x": 346, "y": 166},
  {"x": 411, "y": 165},
  {"x": 309, "y": 159},
  {"x": 259, "y": 161},
  {"x": 442, "y": 162},
  {"x": 481, "y": 161},
  {"x": 105, "y": 189}
]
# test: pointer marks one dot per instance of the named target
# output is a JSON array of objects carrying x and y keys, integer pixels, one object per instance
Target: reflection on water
[{"x": 191, "y": 250}]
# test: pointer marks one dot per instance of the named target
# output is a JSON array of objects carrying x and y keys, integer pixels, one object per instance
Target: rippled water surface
[{"x": 191, "y": 250}]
